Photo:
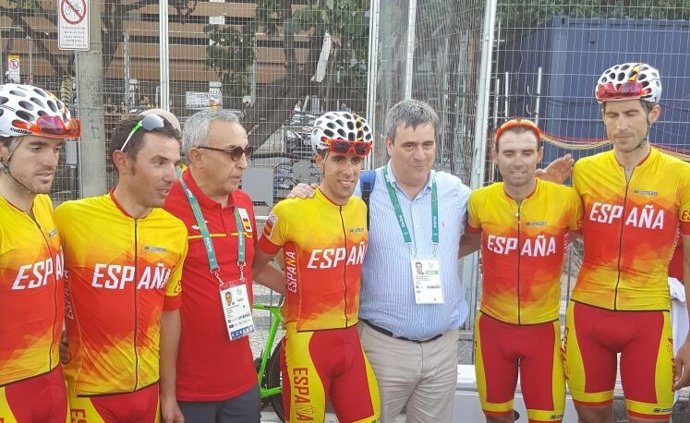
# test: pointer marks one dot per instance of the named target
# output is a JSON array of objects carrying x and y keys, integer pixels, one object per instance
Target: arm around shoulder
[{"x": 271, "y": 277}]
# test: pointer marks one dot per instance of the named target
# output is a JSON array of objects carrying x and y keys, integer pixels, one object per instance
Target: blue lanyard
[
  {"x": 401, "y": 218},
  {"x": 208, "y": 243}
]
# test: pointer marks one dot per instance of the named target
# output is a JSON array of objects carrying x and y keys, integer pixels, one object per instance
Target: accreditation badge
[
  {"x": 426, "y": 277},
  {"x": 236, "y": 309}
]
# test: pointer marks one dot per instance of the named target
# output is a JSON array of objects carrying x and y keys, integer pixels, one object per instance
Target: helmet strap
[
  {"x": 5, "y": 169},
  {"x": 645, "y": 139}
]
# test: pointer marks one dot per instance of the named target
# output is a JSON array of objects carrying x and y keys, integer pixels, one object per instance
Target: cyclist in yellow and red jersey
[
  {"x": 34, "y": 125},
  {"x": 123, "y": 258},
  {"x": 324, "y": 240},
  {"x": 635, "y": 198},
  {"x": 522, "y": 224}
]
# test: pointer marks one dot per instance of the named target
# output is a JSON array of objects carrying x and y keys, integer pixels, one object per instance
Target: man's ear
[
  {"x": 654, "y": 114},
  {"x": 194, "y": 156},
  {"x": 494, "y": 155},
  {"x": 120, "y": 160},
  {"x": 319, "y": 159}
]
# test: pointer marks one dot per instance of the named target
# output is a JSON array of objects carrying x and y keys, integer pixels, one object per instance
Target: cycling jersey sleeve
[
  {"x": 575, "y": 223},
  {"x": 473, "y": 223},
  {"x": 275, "y": 230},
  {"x": 684, "y": 194},
  {"x": 173, "y": 291}
]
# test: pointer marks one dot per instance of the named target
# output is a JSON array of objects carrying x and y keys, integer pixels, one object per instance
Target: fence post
[{"x": 92, "y": 176}]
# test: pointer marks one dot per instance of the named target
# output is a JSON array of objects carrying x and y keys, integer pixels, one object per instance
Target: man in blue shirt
[{"x": 409, "y": 322}]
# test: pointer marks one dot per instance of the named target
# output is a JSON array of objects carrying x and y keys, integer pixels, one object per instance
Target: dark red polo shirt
[{"x": 210, "y": 367}]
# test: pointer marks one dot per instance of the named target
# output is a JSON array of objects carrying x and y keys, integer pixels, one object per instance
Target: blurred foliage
[{"x": 231, "y": 53}]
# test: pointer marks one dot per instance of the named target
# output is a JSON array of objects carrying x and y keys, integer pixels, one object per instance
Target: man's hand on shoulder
[
  {"x": 558, "y": 170},
  {"x": 302, "y": 190}
]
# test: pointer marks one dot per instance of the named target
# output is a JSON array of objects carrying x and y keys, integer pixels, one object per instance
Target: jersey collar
[{"x": 205, "y": 201}]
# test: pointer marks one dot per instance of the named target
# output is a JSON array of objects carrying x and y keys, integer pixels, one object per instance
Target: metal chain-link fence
[{"x": 277, "y": 64}]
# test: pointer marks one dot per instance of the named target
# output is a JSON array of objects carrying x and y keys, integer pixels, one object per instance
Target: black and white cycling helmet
[
  {"x": 339, "y": 126},
  {"x": 629, "y": 81},
  {"x": 29, "y": 110}
]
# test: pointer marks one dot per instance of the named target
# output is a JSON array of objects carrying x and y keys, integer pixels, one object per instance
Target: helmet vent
[
  {"x": 27, "y": 105},
  {"x": 21, "y": 114}
]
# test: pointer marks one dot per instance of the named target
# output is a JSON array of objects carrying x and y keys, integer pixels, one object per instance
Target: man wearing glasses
[
  {"x": 324, "y": 240},
  {"x": 34, "y": 125},
  {"x": 216, "y": 379},
  {"x": 123, "y": 261},
  {"x": 634, "y": 198}
]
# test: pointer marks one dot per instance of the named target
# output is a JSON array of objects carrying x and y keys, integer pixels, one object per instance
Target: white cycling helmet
[
  {"x": 29, "y": 110},
  {"x": 339, "y": 126},
  {"x": 629, "y": 81}
]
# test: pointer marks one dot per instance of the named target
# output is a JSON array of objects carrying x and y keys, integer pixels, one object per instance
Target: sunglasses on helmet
[
  {"x": 339, "y": 146},
  {"x": 51, "y": 127},
  {"x": 148, "y": 123},
  {"x": 627, "y": 90}
]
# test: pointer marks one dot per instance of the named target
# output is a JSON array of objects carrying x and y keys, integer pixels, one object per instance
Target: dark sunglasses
[
  {"x": 148, "y": 123},
  {"x": 339, "y": 146},
  {"x": 235, "y": 153}
]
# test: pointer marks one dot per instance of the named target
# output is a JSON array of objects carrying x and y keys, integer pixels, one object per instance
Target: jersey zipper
[
  {"x": 342, "y": 224},
  {"x": 136, "y": 309},
  {"x": 620, "y": 239},
  {"x": 517, "y": 215},
  {"x": 55, "y": 305}
]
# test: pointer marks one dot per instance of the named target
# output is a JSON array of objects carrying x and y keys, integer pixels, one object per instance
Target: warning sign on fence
[{"x": 73, "y": 25}]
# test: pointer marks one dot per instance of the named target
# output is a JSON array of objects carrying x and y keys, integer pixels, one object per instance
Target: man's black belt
[{"x": 402, "y": 338}]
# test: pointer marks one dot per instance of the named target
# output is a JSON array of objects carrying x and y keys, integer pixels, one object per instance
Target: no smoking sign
[{"x": 73, "y": 25}]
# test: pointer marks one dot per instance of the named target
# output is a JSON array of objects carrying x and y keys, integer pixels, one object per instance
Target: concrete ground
[{"x": 681, "y": 412}]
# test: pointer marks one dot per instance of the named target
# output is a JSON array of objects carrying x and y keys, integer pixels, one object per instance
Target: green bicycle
[{"x": 268, "y": 364}]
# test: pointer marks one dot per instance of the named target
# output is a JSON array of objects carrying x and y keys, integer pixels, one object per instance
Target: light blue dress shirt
[{"x": 387, "y": 295}]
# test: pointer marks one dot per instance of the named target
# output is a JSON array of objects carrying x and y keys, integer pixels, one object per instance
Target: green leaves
[{"x": 231, "y": 54}]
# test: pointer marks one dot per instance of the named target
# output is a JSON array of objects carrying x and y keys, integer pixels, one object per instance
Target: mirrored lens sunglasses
[
  {"x": 340, "y": 146},
  {"x": 148, "y": 123},
  {"x": 627, "y": 90},
  {"x": 51, "y": 127}
]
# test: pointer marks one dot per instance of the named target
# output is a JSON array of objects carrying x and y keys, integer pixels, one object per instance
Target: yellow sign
[{"x": 13, "y": 68}]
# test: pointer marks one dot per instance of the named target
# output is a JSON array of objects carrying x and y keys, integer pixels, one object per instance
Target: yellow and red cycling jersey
[
  {"x": 323, "y": 248},
  {"x": 522, "y": 249},
  {"x": 31, "y": 291},
  {"x": 121, "y": 273},
  {"x": 629, "y": 229}
]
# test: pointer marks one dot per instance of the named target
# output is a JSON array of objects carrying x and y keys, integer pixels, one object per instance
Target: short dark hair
[
  {"x": 410, "y": 113},
  {"x": 121, "y": 132}
]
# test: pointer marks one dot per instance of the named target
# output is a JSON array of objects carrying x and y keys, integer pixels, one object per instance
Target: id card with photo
[
  {"x": 236, "y": 309},
  {"x": 426, "y": 278}
]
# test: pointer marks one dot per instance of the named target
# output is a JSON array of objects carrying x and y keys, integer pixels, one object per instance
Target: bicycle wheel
[{"x": 273, "y": 378}]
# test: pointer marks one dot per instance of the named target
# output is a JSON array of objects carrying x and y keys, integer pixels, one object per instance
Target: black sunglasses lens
[{"x": 237, "y": 152}]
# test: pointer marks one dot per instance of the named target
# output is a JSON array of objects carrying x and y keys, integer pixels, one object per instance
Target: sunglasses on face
[
  {"x": 339, "y": 146},
  {"x": 235, "y": 153},
  {"x": 148, "y": 123},
  {"x": 630, "y": 89},
  {"x": 51, "y": 127}
]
